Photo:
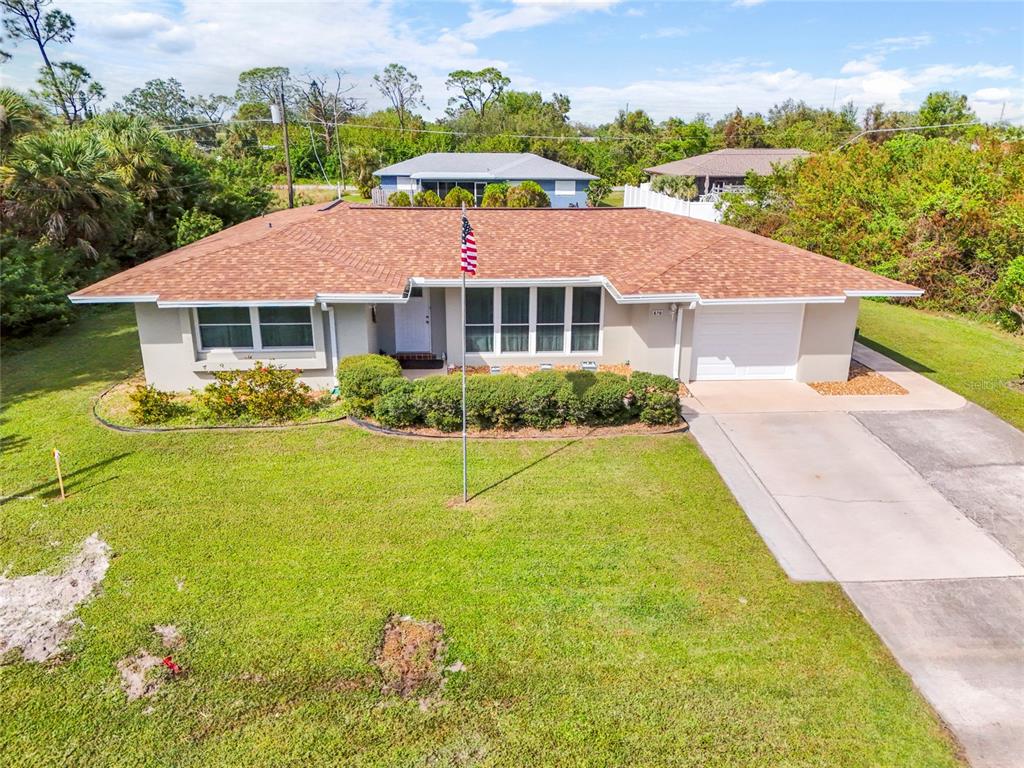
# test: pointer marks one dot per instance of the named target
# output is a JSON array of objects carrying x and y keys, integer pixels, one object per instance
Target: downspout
[
  {"x": 679, "y": 341},
  {"x": 334, "y": 340}
]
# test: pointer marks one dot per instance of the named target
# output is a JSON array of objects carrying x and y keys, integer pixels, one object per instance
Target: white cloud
[
  {"x": 133, "y": 24},
  {"x": 668, "y": 32},
  {"x": 746, "y": 3},
  {"x": 893, "y": 44},
  {"x": 861, "y": 66},
  {"x": 525, "y": 14},
  {"x": 634, "y": 11},
  {"x": 992, "y": 94}
]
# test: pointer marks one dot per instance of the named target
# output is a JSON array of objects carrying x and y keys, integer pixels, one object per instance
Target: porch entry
[{"x": 412, "y": 323}]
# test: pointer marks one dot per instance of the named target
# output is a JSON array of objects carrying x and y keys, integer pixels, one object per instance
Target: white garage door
[{"x": 747, "y": 342}]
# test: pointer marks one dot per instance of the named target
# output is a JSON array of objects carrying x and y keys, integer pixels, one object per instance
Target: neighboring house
[
  {"x": 440, "y": 171},
  {"x": 724, "y": 168},
  {"x": 668, "y": 294}
]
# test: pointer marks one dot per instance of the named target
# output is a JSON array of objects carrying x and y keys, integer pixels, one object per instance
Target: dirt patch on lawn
[
  {"x": 36, "y": 611},
  {"x": 862, "y": 381},
  {"x": 141, "y": 675},
  {"x": 410, "y": 656}
]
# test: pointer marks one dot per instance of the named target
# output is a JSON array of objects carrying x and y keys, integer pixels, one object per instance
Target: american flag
[{"x": 468, "y": 247}]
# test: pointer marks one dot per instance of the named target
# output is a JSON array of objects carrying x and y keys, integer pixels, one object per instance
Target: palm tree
[
  {"x": 61, "y": 187},
  {"x": 18, "y": 116},
  {"x": 137, "y": 153}
]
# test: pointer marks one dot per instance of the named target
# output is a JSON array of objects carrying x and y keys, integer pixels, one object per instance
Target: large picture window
[
  {"x": 479, "y": 319},
  {"x": 550, "y": 319},
  {"x": 515, "y": 319},
  {"x": 225, "y": 327},
  {"x": 255, "y": 328},
  {"x": 586, "y": 319},
  {"x": 282, "y": 327}
]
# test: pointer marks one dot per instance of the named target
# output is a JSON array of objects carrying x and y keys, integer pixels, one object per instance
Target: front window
[
  {"x": 479, "y": 319},
  {"x": 283, "y": 327},
  {"x": 586, "y": 319},
  {"x": 515, "y": 319},
  {"x": 550, "y": 319},
  {"x": 565, "y": 187},
  {"x": 255, "y": 328},
  {"x": 225, "y": 327}
]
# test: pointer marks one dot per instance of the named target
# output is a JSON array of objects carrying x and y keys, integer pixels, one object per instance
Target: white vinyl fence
[{"x": 643, "y": 197}]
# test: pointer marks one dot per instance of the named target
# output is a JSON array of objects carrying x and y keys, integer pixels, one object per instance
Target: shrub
[
  {"x": 195, "y": 224},
  {"x": 152, "y": 406},
  {"x": 34, "y": 285},
  {"x": 263, "y": 393},
  {"x": 495, "y": 401},
  {"x": 439, "y": 399},
  {"x": 396, "y": 406},
  {"x": 527, "y": 194},
  {"x": 608, "y": 400},
  {"x": 360, "y": 379},
  {"x": 457, "y": 196},
  {"x": 427, "y": 199},
  {"x": 659, "y": 407},
  {"x": 495, "y": 195},
  {"x": 642, "y": 381},
  {"x": 399, "y": 200},
  {"x": 548, "y": 400}
]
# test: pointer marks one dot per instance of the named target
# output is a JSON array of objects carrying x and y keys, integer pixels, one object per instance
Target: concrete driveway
[{"x": 919, "y": 514}]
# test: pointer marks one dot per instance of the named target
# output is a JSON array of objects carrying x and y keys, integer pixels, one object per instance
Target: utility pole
[{"x": 287, "y": 155}]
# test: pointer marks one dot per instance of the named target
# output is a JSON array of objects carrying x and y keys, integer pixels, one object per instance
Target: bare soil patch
[
  {"x": 36, "y": 611},
  {"x": 170, "y": 637},
  {"x": 862, "y": 381},
  {"x": 141, "y": 675},
  {"x": 410, "y": 656}
]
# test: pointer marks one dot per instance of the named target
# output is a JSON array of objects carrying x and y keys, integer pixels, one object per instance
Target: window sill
[{"x": 243, "y": 360}]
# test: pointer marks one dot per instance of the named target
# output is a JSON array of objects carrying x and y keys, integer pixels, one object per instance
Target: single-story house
[
  {"x": 726, "y": 168},
  {"x": 473, "y": 171},
  {"x": 669, "y": 294}
]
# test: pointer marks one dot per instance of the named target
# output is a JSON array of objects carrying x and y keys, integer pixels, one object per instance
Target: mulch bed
[
  {"x": 862, "y": 381},
  {"x": 527, "y": 433}
]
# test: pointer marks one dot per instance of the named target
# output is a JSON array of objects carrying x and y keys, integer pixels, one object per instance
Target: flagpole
[{"x": 465, "y": 436}]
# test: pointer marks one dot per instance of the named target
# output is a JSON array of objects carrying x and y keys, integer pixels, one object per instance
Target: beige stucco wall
[
  {"x": 827, "y": 341},
  {"x": 173, "y": 361}
]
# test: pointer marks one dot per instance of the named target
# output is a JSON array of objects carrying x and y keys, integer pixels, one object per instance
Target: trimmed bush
[
  {"x": 457, "y": 196},
  {"x": 495, "y": 195},
  {"x": 659, "y": 408},
  {"x": 399, "y": 200},
  {"x": 427, "y": 199},
  {"x": 360, "y": 380},
  {"x": 549, "y": 400},
  {"x": 608, "y": 400},
  {"x": 495, "y": 401},
  {"x": 152, "y": 406},
  {"x": 439, "y": 399},
  {"x": 642, "y": 381},
  {"x": 527, "y": 194},
  {"x": 262, "y": 393},
  {"x": 396, "y": 406}
]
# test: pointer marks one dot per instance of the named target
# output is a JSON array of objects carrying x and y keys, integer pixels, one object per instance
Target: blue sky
[{"x": 670, "y": 58}]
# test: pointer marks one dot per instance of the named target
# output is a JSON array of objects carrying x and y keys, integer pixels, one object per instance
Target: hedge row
[{"x": 372, "y": 385}]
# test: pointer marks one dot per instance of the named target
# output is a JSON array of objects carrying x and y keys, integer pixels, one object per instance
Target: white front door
[
  {"x": 412, "y": 324},
  {"x": 752, "y": 341}
]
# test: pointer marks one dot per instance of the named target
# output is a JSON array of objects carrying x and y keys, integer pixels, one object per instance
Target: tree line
[{"x": 88, "y": 188}]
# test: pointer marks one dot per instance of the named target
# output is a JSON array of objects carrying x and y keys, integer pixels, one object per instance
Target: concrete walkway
[{"x": 918, "y": 512}]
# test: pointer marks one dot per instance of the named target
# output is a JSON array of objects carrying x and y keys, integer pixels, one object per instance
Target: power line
[{"x": 906, "y": 128}]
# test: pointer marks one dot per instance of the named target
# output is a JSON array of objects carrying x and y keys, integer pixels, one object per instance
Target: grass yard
[
  {"x": 610, "y": 601},
  {"x": 976, "y": 360}
]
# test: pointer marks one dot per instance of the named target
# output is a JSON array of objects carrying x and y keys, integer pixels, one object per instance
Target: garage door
[{"x": 747, "y": 342}]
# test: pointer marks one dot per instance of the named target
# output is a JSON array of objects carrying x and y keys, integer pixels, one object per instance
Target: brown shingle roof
[
  {"x": 306, "y": 252},
  {"x": 729, "y": 162}
]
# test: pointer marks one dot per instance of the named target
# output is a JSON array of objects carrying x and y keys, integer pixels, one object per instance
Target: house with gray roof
[
  {"x": 440, "y": 171},
  {"x": 726, "y": 168}
]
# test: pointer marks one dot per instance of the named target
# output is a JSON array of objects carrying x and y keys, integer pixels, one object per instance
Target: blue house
[{"x": 440, "y": 171}]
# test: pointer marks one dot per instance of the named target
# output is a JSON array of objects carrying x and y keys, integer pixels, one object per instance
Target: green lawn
[
  {"x": 975, "y": 360},
  {"x": 609, "y": 599},
  {"x": 613, "y": 199}
]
